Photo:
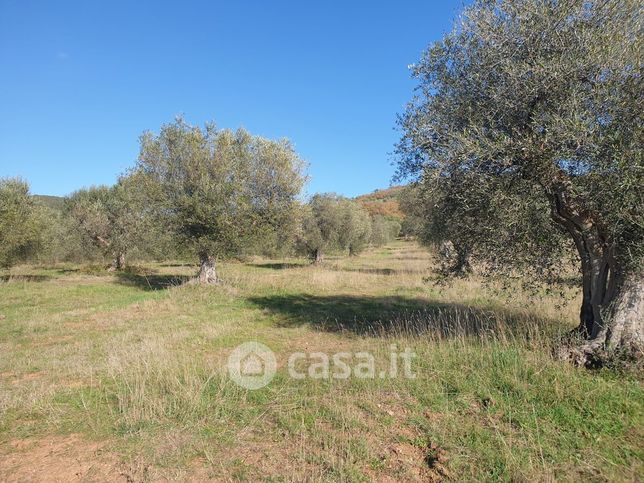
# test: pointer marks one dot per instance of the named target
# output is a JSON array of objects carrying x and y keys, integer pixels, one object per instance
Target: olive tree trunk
[
  {"x": 626, "y": 329},
  {"x": 118, "y": 262},
  {"x": 456, "y": 258},
  {"x": 317, "y": 256},
  {"x": 611, "y": 317},
  {"x": 612, "y": 309},
  {"x": 207, "y": 270}
]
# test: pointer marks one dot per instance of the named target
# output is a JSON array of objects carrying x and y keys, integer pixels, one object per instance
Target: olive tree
[
  {"x": 61, "y": 239},
  {"x": 410, "y": 204},
  {"x": 355, "y": 230},
  {"x": 526, "y": 134},
  {"x": 20, "y": 223},
  {"x": 333, "y": 223},
  {"x": 383, "y": 230},
  {"x": 220, "y": 191},
  {"x": 112, "y": 218}
]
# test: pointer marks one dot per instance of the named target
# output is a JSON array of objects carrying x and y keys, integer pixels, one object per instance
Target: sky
[{"x": 81, "y": 80}]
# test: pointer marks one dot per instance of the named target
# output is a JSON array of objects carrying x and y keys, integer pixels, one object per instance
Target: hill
[{"x": 383, "y": 202}]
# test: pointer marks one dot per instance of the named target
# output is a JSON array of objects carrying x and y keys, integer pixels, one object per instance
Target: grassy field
[{"x": 124, "y": 378}]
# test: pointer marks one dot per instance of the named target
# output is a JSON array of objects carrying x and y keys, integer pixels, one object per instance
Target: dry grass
[{"x": 127, "y": 375}]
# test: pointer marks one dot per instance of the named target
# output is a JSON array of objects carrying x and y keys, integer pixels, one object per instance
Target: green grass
[{"x": 134, "y": 367}]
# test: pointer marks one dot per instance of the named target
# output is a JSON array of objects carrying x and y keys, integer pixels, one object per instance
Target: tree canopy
[
  {"x": 112, "y": 218},
  {"x": 220, "y": 190},
  {"x": 20, "y": 222},
  {"x": 334, "y": 223},
  {"x": 384, "y": 229},
  {"x": 525, "y": 135}
]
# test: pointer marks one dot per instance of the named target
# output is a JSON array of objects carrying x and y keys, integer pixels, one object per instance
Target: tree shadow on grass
[
  {"x": 151, "y": 281},
  {"x": 382, "y": 271},
  {"x": 280, "y": 266},
  {"x": 371, "y": 270},
  {"x": 395, "y": 315},
  {"x": 25, "y": 278}
]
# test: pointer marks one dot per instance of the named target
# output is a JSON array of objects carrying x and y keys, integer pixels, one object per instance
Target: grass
[{"x": 124, "y": 377}]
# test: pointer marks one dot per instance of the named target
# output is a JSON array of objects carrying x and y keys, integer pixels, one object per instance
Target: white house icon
[{"x": 252, "y": 365}]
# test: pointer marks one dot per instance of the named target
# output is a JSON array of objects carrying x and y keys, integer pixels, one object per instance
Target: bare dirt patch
[{"x": 56, "y": 458}]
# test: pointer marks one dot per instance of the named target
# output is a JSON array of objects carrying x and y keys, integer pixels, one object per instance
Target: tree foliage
[
  {"x": 334, "y": 223},
  {"x": 220, "y": 191},
  {"x": 411, "y": 205},
  {"x": 20, "y": 222},
  {"x": 384, "y": 230},
  {"x": 112, "y": 218}
]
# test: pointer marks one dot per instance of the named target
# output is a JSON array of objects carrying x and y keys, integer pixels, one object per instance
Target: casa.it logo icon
[{"x": 252, "y": 365}]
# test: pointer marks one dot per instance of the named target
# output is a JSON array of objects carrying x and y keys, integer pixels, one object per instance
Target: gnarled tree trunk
[
  {"x": 612, "y": 309},
  {"x": 626, "y": 330},
  {"x": 118, "y": 263},
  {"x": 317, "y": 256},
  {"x": 456, "y": 259},
  {"x": 207, "y": 271},
  {"x": 612, "y": 324}
]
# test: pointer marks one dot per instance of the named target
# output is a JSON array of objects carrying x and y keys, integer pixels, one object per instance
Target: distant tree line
[{"x": 195, "y": 192}]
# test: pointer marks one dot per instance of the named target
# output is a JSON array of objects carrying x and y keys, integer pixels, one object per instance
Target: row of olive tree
[
  {"x": 525, "y": 139},
  {"x": 92, "y": 224},
  {"x": 205, "y": 192},
  {"x": 331, "y": 223}
]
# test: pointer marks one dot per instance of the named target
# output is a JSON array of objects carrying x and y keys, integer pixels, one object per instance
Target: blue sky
[{"x": 80, "y": 80}]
